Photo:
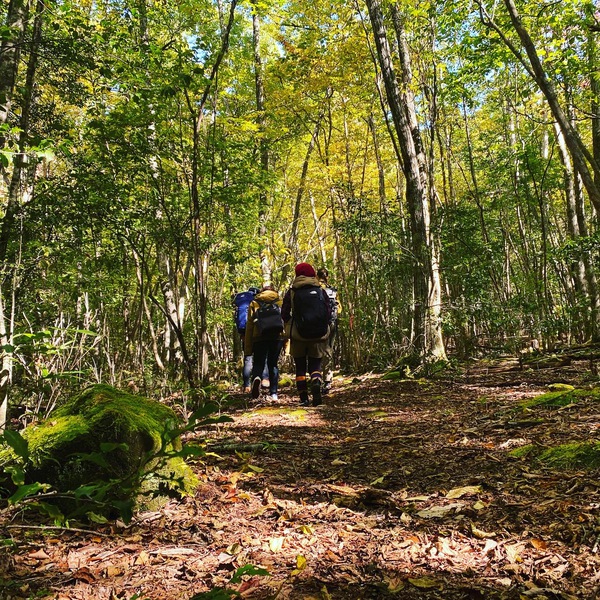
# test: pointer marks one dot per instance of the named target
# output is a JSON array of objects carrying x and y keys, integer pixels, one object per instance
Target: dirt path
[{"x": 392, "y": 490}]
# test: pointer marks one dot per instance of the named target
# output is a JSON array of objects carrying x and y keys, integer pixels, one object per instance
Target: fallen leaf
[
  {"x": 513, "y": 553},
  {"x": 275, "y": 544},
  {"x": 439, "y": 511},
  {"x": 143, "y": 558},
  {"x": 425, "y": 582},
  {"x": 173, "y": 551},
  {"x": 395, "y": 584},
  {"x": 301, "y": 564},
  {"x": 39, "y": 555},
  {"x": 112, "y": 571},
  {"x": 469, "y": 490},
  {"x": 224, "y": 558},
  {"x": 84, "y": 574},
  {"x": 377, "y": 413},
  {"x": 482, "y": 535},
  {"x": 338, "y": 462},
  {"x": 346, "y": 490},
  {"x": 306, "y": 529}
]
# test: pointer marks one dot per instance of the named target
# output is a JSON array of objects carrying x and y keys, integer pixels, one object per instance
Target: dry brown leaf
[
  {"x": 469, "y": 490},
  {"x": 84, "y": 574},
  {"x": 143, "y": 558}
]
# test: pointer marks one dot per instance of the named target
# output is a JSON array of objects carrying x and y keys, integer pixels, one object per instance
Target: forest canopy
[{"x": 440, "y": 159}]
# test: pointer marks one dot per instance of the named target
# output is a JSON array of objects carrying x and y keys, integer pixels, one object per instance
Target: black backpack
[
  {"x": 267, "y": 319},
  {"x": 310, "y": 312}
]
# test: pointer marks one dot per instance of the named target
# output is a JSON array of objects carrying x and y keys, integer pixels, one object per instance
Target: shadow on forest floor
[{"x": 402, "y": 489}]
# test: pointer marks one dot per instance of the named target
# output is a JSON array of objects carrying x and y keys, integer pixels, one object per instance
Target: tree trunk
[
  {"x": 427, "y": 340},
  {"x": 10, "y": 52}
]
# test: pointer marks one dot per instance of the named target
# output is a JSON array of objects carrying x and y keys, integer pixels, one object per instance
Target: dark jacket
[{"x": 287, "y": 306}]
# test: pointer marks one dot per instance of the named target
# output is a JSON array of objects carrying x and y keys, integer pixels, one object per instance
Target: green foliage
[
  {"x": 107, "y": 489},
  {"x": 227, "y": 593}
]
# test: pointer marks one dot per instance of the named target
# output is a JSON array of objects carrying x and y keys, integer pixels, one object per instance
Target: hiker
[
  {"x": 264, "y": 338},
  {"x": 336, "y": 309},
  {"x": 241, "y": 302},
  {"x": 306, "y": 312}
]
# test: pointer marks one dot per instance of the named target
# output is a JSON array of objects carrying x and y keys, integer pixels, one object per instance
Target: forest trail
[{"x": 394, "y": 489}]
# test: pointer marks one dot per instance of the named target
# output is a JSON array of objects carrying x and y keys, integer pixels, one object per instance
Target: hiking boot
[
  {"x": 265, "y": 383},
  {"x": 272, "y": 398},
  {"x": 247, "y": 389},
  {"x": 315, "y": 389},
  {"x": 304, "y": 399},
  {"x": 256, "y": 388},
  {"x": 326, "y": 388}
]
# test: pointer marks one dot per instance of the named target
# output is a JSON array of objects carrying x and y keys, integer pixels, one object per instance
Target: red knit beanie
[{"x": 305, "y": 269}]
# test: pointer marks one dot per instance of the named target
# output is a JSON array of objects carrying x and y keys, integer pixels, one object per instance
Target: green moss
[
  {"x": 561, "y": 387},
  {"x": 522, "y": 452},
  {"x": 576, "y": 455},
  {"x": 558, "y": 399},
  {"x": 66, "y": 450},
  {"x": 103, "y": 406},
  {"x": 394, "y": 375}
]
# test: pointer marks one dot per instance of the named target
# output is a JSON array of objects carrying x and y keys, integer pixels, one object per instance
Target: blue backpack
[{"x": 242, "y": 302}]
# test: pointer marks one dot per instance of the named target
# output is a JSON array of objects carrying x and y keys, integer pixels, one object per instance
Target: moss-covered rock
[{"x": 103, "y": 435}]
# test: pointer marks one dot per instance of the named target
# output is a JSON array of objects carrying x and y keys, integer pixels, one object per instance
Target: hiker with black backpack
[
  {"x": 241, "y": 303},
  {"x": 306, "y": 312},
  {"x": 264, "y": 338},
  {"x": 336, "y": 309}
]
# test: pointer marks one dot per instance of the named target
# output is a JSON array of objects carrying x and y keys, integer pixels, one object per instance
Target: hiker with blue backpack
[
  {"x": 241, "y": 303},
  {"x": 306, "y": 311},
  {"x": 264, "y": 338}
]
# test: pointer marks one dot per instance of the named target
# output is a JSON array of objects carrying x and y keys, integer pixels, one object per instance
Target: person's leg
[
  {"x": 247, "y": 372},
  {"x": 328, "y": 362},
  {"x": 301, "y": 384},
  {"x": 272, "y": 359},
  {"x": 316, "y": 379},
  {"x": 265, "y": 374},
  {"x": 260, "y": 350}
]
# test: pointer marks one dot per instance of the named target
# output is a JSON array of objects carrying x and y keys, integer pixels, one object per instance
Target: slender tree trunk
[
  {"x": 200, "y": 259},
  {"x": 582, "y": 270},
  {"x": 428, "y": 341},
  {"x": 10, "y": 52}
]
